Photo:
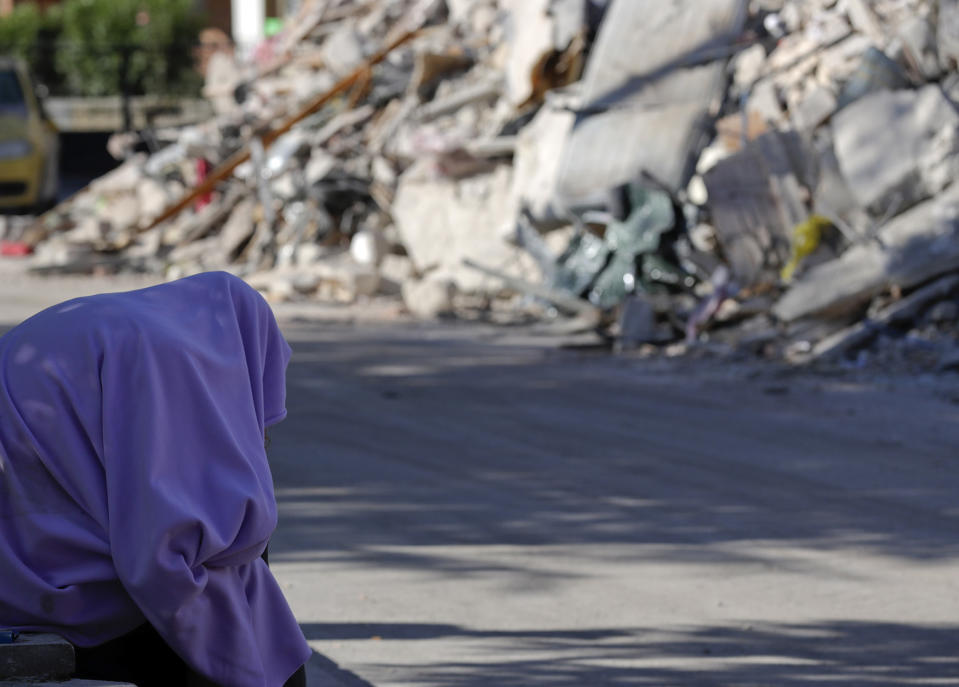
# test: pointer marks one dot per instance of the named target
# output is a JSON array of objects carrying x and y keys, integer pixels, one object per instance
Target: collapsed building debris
[{"x": 775, "y": 176}]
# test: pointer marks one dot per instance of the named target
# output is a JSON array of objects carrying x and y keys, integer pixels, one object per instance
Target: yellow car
[{"x": 29, "y": 143}]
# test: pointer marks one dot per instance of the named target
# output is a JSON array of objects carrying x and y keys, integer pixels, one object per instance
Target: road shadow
[
  {"x": 798, "y": 655},
  {"x": 406, "y": 441}
]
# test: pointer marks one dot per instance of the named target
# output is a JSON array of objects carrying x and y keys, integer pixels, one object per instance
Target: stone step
[{"x": 37, "y": 656}]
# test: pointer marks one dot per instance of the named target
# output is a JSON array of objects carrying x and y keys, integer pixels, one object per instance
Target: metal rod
[{"x": 226, "y": 168}]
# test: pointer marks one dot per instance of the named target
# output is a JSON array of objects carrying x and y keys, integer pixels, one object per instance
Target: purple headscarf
[{"x": 134, "y": 483}]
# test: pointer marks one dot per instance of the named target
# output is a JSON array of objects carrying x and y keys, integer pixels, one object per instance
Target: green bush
[
  {"x": 20, "y": 31},
  {"x": 89, "y": 47},
  {"x": 29, "y": 34},
  {"x": 155, "y": 37}
]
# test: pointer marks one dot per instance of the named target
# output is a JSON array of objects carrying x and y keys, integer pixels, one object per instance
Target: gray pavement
[{"x": 462, "y": 506}]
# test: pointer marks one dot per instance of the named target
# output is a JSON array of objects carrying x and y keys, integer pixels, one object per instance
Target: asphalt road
[{"x": 462, "y": 506}]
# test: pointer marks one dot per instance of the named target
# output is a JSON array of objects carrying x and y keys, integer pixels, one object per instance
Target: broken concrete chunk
[
  {"x": 460, "y": 11},
  {"x": 748, "y": 67},
  {"x": 789, "y": 52},
  {"x": 947, "y": 33},
  {"x": 815, "y": 109},
  {"x": 275, "y": 286},
  {"x": 434, "y": 180},
  {"x": 123, "y": 179},
  {"x": 368, "y": 246},
  {"x": 919, "y": 41},
  {"x": 350, "y": 283},
  {"x": 152, "y": 198},
  {"x": 756, "y": 199},
  {"x": 950, "y": 88},
  {"x": 791, "y": 17},
  {"x": 319, "y": 165},
  {"x": 123, "y": 213},
  {"x": 838, "y": 63},
  {"x": 875, "y": 72},
  {"x": 544, "y": 36},
  {"x": 949, "y": 361},
  {"x": 344, "y": 50},
  {"x": 864, "y": 20},
  {"x": 307, "y": 253},
  {"x": 334, "y": 278},
  {"x": 736, "y": 130},
  {"x": 764, "y": 101},
  {"x": 486, "y": 89},
  {"x": 831, "y": 196},
  {"x": 59, "y": 251},
  {"x": 916, "y": 246},
  {"x": 205, "y": 251},
  {"x": 442, "y": 221},
  {"x": 649, "y": 84},
  {"x": 944, "y": 312},
  {"x": 827, "y": 28},
  {"x": 395, "y": 270},
  {"x": 238, "y": 228},
  {"x": 637, "y": 322},
  {"x": 897, "y": 148},
  {"x": 37, "y": 656},
  {"x": 429, "y": 297},
  {"x": 88, "y": 230},
  {"x": 905, "y": 310},
  {"x": 531, "y": 42},
  {"x": 198, "y": 225},
  {"x": 537, "y": 163}
]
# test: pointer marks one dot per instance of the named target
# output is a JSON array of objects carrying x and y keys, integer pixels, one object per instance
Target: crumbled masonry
[{"x": 604, "y": 161}]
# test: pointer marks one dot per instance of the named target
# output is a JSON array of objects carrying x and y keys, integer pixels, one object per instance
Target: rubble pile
[{"x": 771, "y": 178}]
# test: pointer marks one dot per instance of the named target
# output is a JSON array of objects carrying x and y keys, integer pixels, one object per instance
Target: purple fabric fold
[{"x": 134, "y": 483}]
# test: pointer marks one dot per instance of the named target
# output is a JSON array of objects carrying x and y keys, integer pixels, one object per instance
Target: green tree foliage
[
  {"x": 93, "y": 47},
  {"x": 20, "y": 30},
  {"x": 23, "y": 29},
  {"x": 28, "y": 33}
]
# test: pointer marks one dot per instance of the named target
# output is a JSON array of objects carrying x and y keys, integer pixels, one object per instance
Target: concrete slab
[
  {"x": 37, "y": 655},
  {"x": 896, "y": 148},
  {"x": 918, "y": 245},
  {"x": 646, "y": 92}
]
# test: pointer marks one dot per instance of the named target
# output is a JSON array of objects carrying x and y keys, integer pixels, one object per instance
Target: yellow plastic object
[{"x": 805, "y": 239}]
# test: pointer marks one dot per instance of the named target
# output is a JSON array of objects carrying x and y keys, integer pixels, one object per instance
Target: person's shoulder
[
  {"x": 71, "y": 317},
  {"x": 72, "y": 330},
  {"x": 167, "y": 315},
  {"x": 217, "y": 279},
  {"x": 211, "y": 287}
]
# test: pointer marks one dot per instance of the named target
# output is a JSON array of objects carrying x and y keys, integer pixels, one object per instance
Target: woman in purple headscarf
[{"x": 135, "y": 495}]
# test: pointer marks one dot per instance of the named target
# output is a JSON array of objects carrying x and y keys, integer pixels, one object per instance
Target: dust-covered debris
[{"x": 762, "y": 178}]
